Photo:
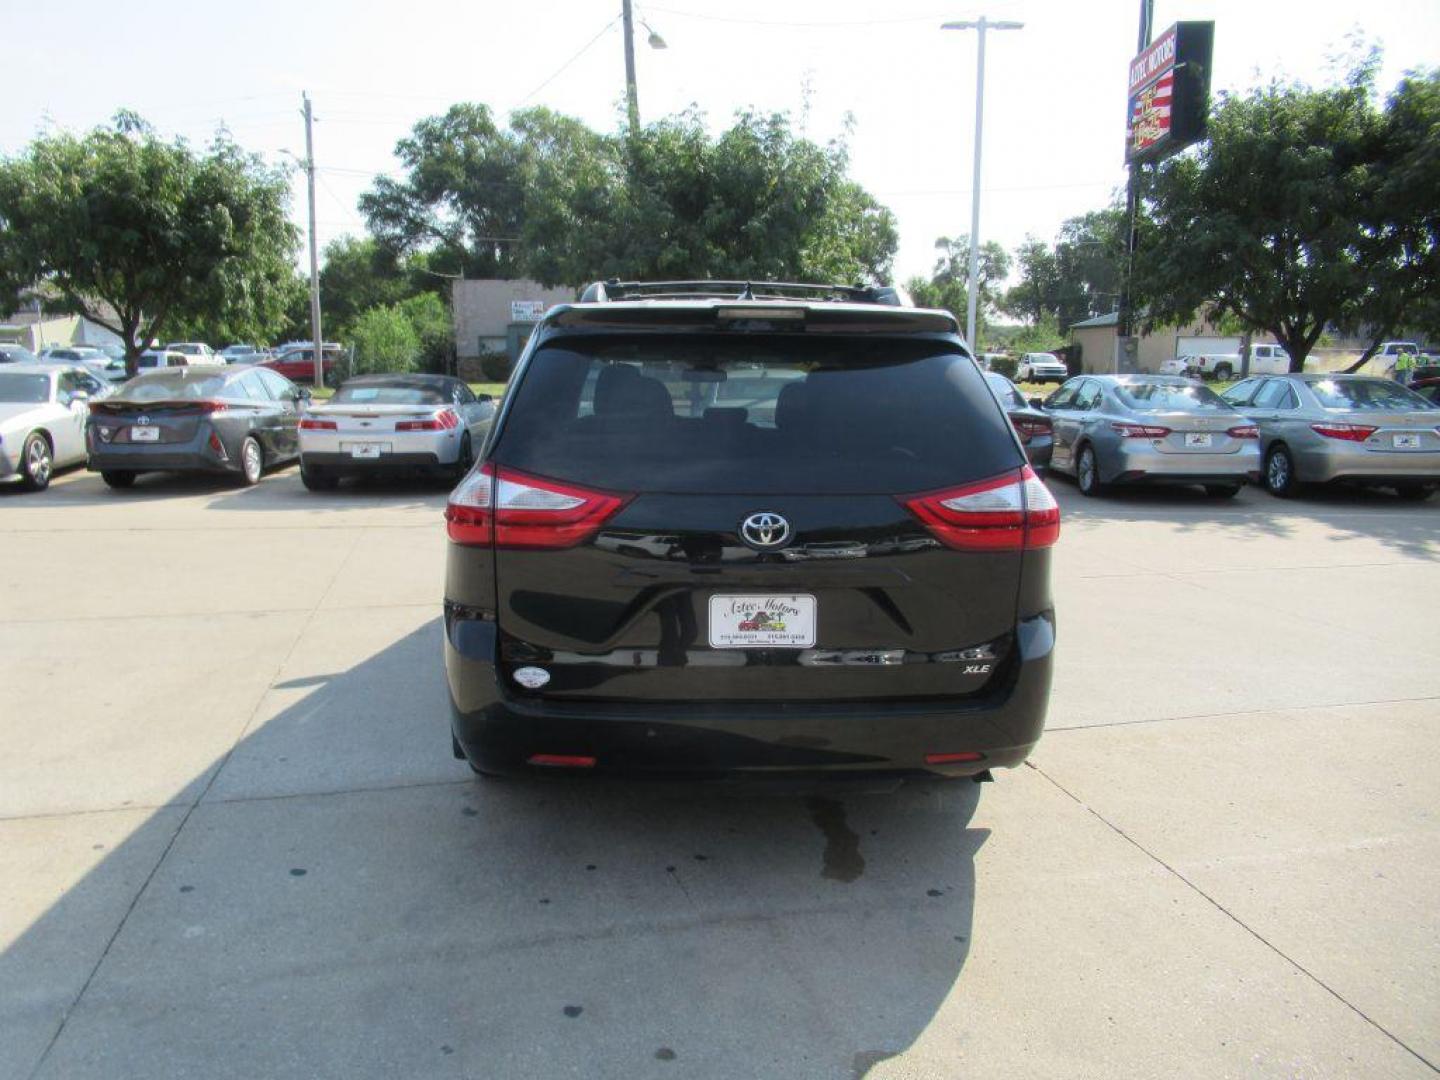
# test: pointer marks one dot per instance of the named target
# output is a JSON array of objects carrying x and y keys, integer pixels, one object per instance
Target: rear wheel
[
  {"x": 316, "y": 478},
  {"x": 1223, "y": 372},
  {"x": 1280, "y": 472},
  {"x": 252, "y": 461},
  {"x": 117, "y": 478},
  {"x": 466, "y": 458},
  {"x": 37, "y": 462},
  {"x": 1222, "y": 491},
  {"x": 1414, "y": 492},
  {"x": 1087, "y": 472}
]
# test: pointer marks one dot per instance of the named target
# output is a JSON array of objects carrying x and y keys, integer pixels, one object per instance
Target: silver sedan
[
  {"x": 378, "y": 423},
  {"x": 43, "y": 409},
  {"x": 1148, "y": 429},
  {"x": 1357, "y": 429}
]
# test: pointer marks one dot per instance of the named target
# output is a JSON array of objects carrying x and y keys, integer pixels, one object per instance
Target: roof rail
[{"x": 600, "y": 292}]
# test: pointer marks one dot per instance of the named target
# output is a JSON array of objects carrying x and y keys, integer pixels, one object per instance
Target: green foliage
[
  {"x": 1077, "y": 277},
  {"x": 550, "y": 199},
  {"x": 947, "y": 287},
  {"x": 1043, "y": 336},
  {"x": 150, "y": 238},
  {"x": 1306, "y": 208},
  {"x": 1005, "y": 365},
  {"x": 384, "y": 340},
  {"x": 429, "y": 317},
  {"x": 358, "y": 274}
]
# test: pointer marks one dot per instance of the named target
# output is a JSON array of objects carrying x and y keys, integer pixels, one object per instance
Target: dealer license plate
[
  {"x": 144, "y": 434},
  {"x": 365, "y": 450},
  {"x": 1407, "y": 442},
  {"x": 1197, "y": 440},
  {"x": 745, "y": 622}
]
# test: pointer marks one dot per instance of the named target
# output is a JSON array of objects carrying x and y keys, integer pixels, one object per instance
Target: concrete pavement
[{"x": 233, "y": 843}]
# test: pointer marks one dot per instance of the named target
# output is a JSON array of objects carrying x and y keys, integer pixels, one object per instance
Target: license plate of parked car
[
  {"x": 739, "y": 622},
  {"x": 1407, "y": 442},
  {"x": 144, "y": 434},
  {"x": 1197, "y": 440},
  {"x": 364, "y": 450}
]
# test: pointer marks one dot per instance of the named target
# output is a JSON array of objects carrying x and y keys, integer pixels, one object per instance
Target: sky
[{"x": 885, "y": 78}]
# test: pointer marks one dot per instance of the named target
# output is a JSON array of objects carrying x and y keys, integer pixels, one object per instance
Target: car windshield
[
  {"x": 1369, "y": 395},
  {"x": 1044, "y": 358},
  {"x": 1169, "y": 397},
  {"x": 18, "y": 354},
  {"x": 174, "y": 385},
  {"x": 1005, "y": 390},
  {"x": 19, "y": 388},
  {"x": 390, "y": 394},
  {"x": 759, "y": 415}
]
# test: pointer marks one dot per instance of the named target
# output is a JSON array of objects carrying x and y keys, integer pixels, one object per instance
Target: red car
[{"x": 297, "y": 363}]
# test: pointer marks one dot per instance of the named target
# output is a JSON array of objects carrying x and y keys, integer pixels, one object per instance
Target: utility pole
[
  {"x": 314, "y": 255},
  {"x": 972, "y": 288},
  {"x": 632, "y": 96},
  {"x": 1132, "y": 208}
]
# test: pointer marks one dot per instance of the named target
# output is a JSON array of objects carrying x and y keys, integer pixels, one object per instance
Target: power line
[
  {"x": 827, "y": 24},
  {"x": 561, "y": 69}
]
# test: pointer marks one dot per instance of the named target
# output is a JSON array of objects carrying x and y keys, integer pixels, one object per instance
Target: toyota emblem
[
  {"x": 142, "y": 419},
  {"x": 765, "y": 530}
]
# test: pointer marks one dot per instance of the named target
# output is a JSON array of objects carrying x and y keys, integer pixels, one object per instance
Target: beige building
[
  {"x": 1095, "y": 339},
  {"x": 496, "y": 316}
]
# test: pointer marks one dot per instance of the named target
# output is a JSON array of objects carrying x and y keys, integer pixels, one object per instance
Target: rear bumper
[
  {"x": 1361, "y": 466},
  {"x": 346, "y": 463},
  {"x": 1143, "y": 464},
  {"x": 500, "y": 727},
  {"x": 192, "y": 456}
]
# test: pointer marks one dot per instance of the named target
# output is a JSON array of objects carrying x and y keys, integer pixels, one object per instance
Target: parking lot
[{"x": 233, "y": 842}]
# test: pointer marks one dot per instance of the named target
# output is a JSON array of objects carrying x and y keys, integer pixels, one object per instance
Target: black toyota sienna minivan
[{"x": 723, "y": 529}]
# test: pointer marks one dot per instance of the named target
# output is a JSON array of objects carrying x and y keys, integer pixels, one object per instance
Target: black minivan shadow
[{"x": 345, "y": 900}]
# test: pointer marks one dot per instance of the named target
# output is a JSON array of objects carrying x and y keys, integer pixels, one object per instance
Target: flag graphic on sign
[{"x": 1150, "y": 113}]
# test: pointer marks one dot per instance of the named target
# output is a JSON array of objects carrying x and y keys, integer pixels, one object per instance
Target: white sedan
[
  {"x": 375, "y": 423},
  {"x": 43, "y": 408}
]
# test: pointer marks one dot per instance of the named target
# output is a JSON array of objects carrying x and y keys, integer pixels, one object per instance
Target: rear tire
[
  {"x": 252, "y": 461},
  {"x": 316, "y": 478},
  {"x": 466, "y": 458},
  {"x": 1087, "y": 472},
  {"x": 1414, "y": 492},
  {"x": 1223, "y": 372},
  {"x": 37, "y": 463},
  {"x": 1222, "y": 491},
  {"x": 1280, "y": 472},
  {"x": 117, "y": 478}
]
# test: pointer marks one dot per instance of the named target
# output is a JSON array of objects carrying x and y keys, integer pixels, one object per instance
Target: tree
[
  {"x": 429, "y": 317},
  {"x": 146, "y": 237},
  {"x": 384, "y": 341},
  {"x": 1076, "y": 278},
  {"x": 1283, "y": 218},
  {"x": 948, "y": 285},
  {"x": 357, "y": 274},
  {"x": 551, "y": 199}
]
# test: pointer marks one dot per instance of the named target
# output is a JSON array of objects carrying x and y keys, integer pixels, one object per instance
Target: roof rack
[{"x": 600, "y": 292}]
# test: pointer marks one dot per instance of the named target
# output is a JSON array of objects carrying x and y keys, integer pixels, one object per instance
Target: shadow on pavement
[
  {"x": 346, "y": 900},
  {"x": 1379, "y": 514}
]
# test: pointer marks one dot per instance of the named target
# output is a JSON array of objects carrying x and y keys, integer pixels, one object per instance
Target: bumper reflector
[
  {"x": 562, "y": 761},
  {"x": 954, "y": 759}
]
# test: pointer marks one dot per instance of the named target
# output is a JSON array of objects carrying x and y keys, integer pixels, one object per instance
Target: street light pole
[
  {"x": 319, "y": 375},
  {"x": 972, "y": 289},
  {"x": 632, "y": 96}
]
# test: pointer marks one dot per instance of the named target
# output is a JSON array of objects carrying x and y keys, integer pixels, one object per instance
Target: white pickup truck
[
  {"x": 1391, "y": 350},
  {"x": 1264, "y": 360}
]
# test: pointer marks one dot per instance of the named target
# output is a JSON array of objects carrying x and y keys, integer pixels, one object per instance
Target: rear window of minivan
[{"x": 755, "y": 415}]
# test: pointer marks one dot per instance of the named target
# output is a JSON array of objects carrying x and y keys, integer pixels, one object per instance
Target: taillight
[
  {"x": 515, "y": 510},
  {"x": 1005, "y": 513},
  {"x": 1140, "y": 431},
  {"x": 1244, "y": 431},
  {"x": 444, "y": 420},
  {"x": 311, "y": 423},
  {"x": 1029, "y": 428},
  {"x": 1348, "y": 432},
  {"x": 209, "y": 406}
]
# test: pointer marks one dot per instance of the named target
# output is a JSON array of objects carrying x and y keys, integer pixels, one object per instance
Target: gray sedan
[
  {"x": 1148, "y": 429},
  {"x": 43, "y": 408},
  {"x": 1352, "y": 428}
]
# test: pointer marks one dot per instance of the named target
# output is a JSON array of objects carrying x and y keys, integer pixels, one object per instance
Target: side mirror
[{"x": 483, "y": 398}]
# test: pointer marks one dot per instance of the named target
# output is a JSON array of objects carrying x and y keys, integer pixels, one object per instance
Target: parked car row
[
  {"x": 1279, "y": 430},
  {"x": 236, "y": 420}
]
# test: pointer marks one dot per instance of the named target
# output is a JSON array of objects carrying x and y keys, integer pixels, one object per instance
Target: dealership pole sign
[{"x": 1169, "y": 93}]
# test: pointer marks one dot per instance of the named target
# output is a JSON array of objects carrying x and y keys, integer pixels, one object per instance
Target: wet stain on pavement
[
  {"x": 298, "y": 871},
  {"x": 933, "y": 892},
  {"x": 664, "y": 1054},
  {"x": 187, "y": 888},
  {"x": 470, "y": 811},
  {"x": 842, "y": 860},
  {"x": 573, "y": 1011}
]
